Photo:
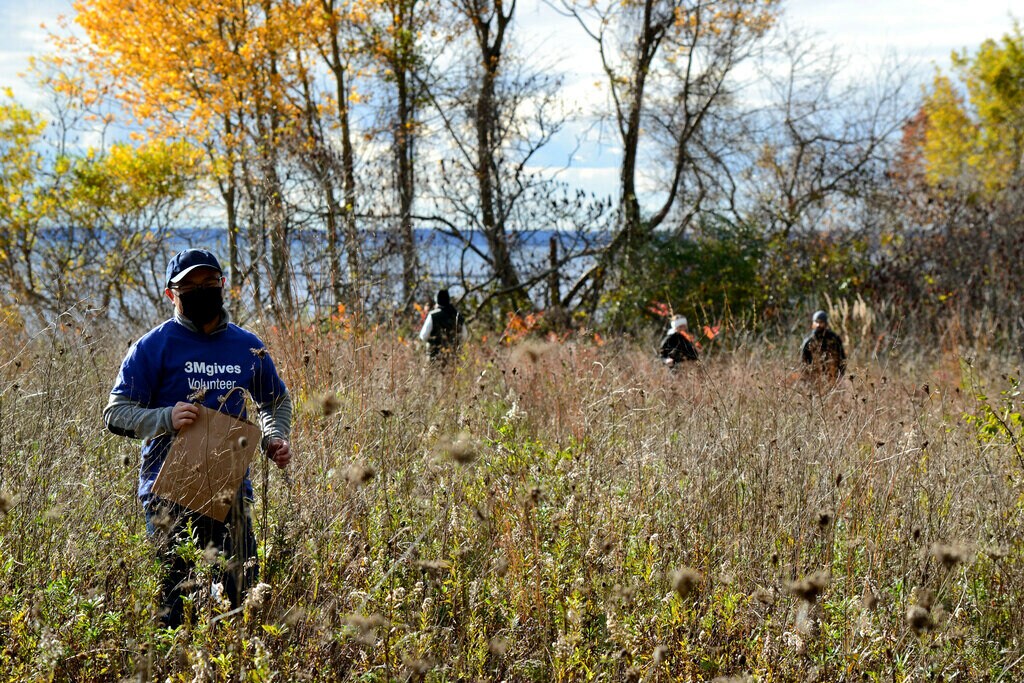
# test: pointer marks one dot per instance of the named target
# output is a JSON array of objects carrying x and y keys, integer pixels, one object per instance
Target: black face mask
[{"x": 202, "y": 306}]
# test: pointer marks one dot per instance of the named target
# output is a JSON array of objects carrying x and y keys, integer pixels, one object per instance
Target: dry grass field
[{"x": 548, "y": 511}]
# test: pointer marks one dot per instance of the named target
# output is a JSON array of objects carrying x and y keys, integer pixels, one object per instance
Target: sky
[
  {"x": 920, "y": 32},
  {"x": 923, "y": 31}
]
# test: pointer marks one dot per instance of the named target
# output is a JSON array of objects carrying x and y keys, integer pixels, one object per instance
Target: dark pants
[{"x": 230, "y": 545}]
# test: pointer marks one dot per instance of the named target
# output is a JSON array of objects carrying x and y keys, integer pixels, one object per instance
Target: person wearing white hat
[{"x": 676, "y": 347}]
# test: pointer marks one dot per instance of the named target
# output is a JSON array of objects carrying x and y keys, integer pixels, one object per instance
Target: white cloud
[{"x": 24, "y": 36}]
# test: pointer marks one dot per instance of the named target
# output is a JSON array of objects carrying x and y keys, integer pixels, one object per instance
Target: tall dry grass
[{"x": 544, "y": 512}]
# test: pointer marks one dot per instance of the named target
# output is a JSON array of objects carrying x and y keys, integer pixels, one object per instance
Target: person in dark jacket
[
  {"x": 676, "y": 347},
  {"x": 442, "y": 330},
  {"x": 822, "y": 350}
]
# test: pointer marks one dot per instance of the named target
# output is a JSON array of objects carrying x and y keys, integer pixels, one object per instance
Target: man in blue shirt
[{"x": 196, "y": 358}]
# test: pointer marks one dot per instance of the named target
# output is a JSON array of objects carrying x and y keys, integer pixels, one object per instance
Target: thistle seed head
[
  {"x": 810, "y": 587},
  {"x": 329, "y": 404},
  {"x": 919, "y": 618},
  {"x": 868, "y": 598},
  {"x": 461, "y": 448},
  {"x": 359, "y": 473},
  {"x": 685, "y": 581},
  {"x": 7, "y": 501},
  {"x": 949, "y": 556}
]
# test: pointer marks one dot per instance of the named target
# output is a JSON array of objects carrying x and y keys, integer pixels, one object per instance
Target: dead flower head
[
  {"x": 498, "y": 646},
  {"x": 763, "y": 596},
  {"x": 532, "y": 351},
  {"x": 461, "y": 448},
  {"x": 824, "y": 519},
  {"x": 329, "y": 404},
  {"x": 257, "y": 596},
  {"x": 434, "y": 566},
  {"x": 869, "y": 599},
  {"x": 7, "y": 501},
  {"x": 359, "y": 473},
  {"x": 224, "y": 497},
  {"x": 949, "y": 556},
  {"x": 919, "y": 618},
  {"x": 685, "y": 581},
  {"x": 810, "y": 587},
  {"x": 366, "y": 626}
]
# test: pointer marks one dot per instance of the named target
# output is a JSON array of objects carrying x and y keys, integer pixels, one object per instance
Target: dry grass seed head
[
  {"x": 810, "y": 587},
  {"x": 212, "y": 555},
  {"x": 417, "y": 668},
  {"x": 223, "y": 497},
  {"x": 257, "y": 596}
]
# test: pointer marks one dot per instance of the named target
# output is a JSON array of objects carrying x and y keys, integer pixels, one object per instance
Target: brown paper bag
[{"x": 207, "y": 462}]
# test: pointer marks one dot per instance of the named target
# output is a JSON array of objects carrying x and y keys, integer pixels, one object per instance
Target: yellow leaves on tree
[
  {"x": 974, "y": 137},
  {"x": 183, "y": 63},
  {"x": 19, "y": 161},
  {"x": 131, "y": 178}
]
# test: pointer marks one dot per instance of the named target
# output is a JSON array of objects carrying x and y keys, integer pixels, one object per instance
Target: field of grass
[{"x": 566, "y": 511}]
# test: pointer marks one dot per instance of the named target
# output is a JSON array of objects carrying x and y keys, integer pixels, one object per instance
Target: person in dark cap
[
  {"x": 677, "y": 347},
  {"x": 197, "y": 357},
  {"x": 442, "y": 329},
  {"x": 822, "y": 350}
]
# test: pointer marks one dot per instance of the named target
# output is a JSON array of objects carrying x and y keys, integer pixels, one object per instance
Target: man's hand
[
  {"x": 183, "y": 414},
  {"x": 279, "y": 451}
]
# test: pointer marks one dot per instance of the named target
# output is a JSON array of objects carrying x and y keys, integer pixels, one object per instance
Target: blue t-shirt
[{"x": 172, "y": 363}]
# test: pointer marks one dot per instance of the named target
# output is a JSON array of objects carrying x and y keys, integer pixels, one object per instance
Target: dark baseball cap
[{"x": 184, "y": 262}]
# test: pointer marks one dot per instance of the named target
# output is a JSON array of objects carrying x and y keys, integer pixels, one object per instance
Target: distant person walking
[
  {"x": 442, "y": 330},
  {"x": 197, "y": 357},
  {"x": 822, "y": 350},
  {"x": 677, "y": 346}
]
